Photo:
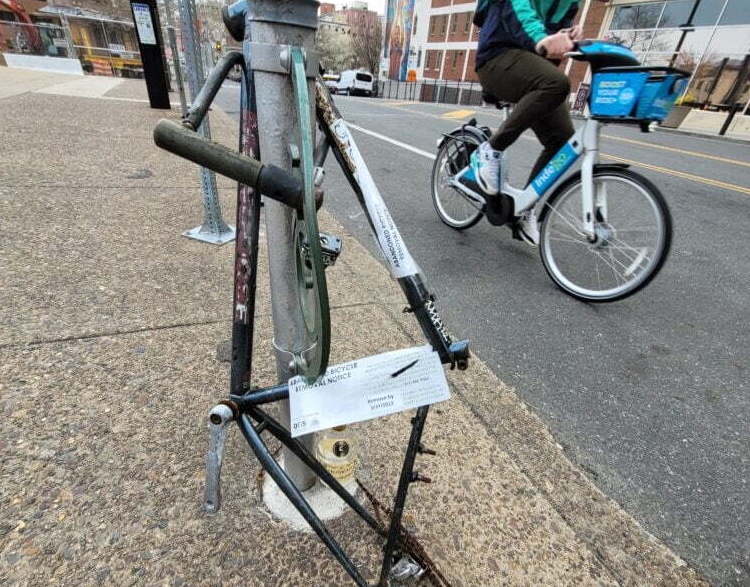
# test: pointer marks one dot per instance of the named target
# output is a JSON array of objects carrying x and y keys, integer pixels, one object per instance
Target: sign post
[{"x": 146, "y": 19}]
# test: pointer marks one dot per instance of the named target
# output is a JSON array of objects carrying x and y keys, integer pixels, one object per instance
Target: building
[
  {"x": 437, "y": 40},
  {"x": 101, "y": 35}
]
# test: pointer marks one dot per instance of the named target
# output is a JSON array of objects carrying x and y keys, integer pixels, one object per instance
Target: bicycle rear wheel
[
  {"x": 633, "y": 233},
  {"x": 453, "y": 207}
]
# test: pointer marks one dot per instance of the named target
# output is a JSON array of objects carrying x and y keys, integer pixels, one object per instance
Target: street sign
[
  {"x": 146, "y": 19},
  {"x": 581, "y": 96}
]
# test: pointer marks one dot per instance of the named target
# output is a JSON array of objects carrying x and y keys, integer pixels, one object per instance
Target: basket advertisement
[
  {"x": 636, "y": 94},
  {"x": 658, "y": 97},
  {"x": 616, "y": 94}
]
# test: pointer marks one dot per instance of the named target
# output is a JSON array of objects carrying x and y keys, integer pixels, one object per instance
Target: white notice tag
[
  {"x": 389, "y": 238},
  {"x": 367, "y": 388}
]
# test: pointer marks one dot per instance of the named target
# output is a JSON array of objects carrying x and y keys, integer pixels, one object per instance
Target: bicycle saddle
[
  {"x": 488, "y": 98},
  {"x": 601, "y": 54}
]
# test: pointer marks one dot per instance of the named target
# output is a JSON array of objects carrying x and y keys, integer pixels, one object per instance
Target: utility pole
[{"x": 272, "y": 26}]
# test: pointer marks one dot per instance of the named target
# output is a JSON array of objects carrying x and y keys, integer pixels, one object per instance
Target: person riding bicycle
[{"x": 517, "y": 40}]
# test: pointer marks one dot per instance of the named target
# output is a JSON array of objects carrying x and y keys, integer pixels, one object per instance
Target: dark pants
[{"x": 540, "y": 91}]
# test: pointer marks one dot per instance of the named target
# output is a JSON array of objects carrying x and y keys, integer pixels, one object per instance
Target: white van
[
  {"x": 331, "y": 80},
  {"x": 355, "y": 82}
]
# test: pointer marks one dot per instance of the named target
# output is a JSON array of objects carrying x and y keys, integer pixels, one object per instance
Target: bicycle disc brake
[{"x": 312, "y": 290}]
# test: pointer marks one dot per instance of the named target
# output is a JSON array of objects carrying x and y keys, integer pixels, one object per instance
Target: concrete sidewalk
[{"x": 108, "y": 369}]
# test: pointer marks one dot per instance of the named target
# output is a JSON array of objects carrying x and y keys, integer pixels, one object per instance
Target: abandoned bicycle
[
  {"x": 605, "y": 231},
  {"x": 277, "y": 68}
]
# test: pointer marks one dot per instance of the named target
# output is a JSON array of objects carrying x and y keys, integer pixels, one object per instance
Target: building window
[
  {"x": 432, "y": 25},
  {"x": 419, "y": 57},
  {"x": 453, "y": 23},
  {"x": 443, "y": 20},
  {"x": 467, "y": 23},
  {"x": 455, "y": 60},
  {"x": 414, "y": 26}
]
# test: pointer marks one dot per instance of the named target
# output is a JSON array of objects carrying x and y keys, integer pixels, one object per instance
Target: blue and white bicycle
[{"x": 605, "y": 231}]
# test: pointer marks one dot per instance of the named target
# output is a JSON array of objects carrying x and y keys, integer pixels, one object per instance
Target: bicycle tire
[
  {"x": 443, "y": 153},
  {"x": 664, "y": 219}
]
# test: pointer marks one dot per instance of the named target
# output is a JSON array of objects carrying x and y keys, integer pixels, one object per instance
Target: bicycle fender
[
  {"x": 478, "y": 133},
  {"x": 598, "y": 168}
]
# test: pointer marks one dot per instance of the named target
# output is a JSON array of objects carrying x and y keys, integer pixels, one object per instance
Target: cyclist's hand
[
  {"x": 555, "y": 45},
  {"x": 575, "y": 33}
]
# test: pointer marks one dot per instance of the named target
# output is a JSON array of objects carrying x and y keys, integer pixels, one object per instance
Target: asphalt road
[{"x": 648, "y": 395}]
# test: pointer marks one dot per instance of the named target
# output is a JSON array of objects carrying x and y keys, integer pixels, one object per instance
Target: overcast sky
[{"x": 376, "y": 5}]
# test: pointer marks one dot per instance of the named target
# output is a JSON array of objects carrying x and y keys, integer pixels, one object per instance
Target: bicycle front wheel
[
  {"x": 632, "y": 236},
  {"x": 454, "y": 208}
]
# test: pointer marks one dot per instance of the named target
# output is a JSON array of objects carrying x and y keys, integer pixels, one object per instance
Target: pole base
[
  {"x": 327, "y": 505},
  {"x": 200, "y": 233}
]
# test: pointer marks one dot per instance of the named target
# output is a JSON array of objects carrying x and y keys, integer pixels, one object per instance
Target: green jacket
[{"x": 519, "y": 23}]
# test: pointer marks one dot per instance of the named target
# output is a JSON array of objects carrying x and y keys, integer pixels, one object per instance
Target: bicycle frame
[
  {"x": 585, "y": 142},
  {"x": 244, "y": 403}
]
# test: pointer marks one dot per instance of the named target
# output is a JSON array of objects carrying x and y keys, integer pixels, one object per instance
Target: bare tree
[
  {"x": 366, "y": 40},
  {"x": 334, "y": 45}
]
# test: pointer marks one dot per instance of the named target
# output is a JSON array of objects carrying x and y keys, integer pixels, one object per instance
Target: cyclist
[{"x": 513, "y": 37}]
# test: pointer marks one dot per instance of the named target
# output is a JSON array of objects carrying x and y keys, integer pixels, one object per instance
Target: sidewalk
[{"x": 108, "y": 370}]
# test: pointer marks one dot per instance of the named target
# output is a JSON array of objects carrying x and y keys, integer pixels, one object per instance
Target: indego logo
[{"x": 553, "y": 168}]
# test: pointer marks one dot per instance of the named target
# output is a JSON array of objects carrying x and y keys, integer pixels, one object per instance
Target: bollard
[{"x": 213, "y": 229}]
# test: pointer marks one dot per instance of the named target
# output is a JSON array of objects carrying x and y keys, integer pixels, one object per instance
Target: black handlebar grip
[{"x": 272, "y": 181}]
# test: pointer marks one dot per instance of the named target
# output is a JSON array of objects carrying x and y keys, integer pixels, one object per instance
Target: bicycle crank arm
[
  {"x": 219, "y": 417},
  {"x": 271, "y": 181}
]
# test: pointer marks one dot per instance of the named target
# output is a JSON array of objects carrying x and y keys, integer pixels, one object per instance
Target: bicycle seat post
[{"x": 269, "y": 33}]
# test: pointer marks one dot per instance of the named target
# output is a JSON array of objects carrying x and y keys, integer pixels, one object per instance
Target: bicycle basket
[{"x": 643, "y": 93}]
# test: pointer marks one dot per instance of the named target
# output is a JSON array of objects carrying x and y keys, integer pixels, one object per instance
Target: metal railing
[{"x": 438, "y": 91}]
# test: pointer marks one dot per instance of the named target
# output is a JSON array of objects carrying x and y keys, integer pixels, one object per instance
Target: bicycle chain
[{"x": 408, "y": 541}]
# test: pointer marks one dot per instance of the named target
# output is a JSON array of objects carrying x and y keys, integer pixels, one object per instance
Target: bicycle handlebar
[{"x": 270, "y": 180}]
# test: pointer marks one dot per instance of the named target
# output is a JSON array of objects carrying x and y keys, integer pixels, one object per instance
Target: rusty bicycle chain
[{"x": 408, "y": 541}]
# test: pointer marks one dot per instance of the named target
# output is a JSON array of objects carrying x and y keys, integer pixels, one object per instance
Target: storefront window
[
  {"x": 737, "y": 12},
  {"x": 676, "y": 13},
  {"x": 717, "y": 56}
]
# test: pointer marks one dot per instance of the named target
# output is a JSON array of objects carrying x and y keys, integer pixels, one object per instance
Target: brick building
[{"x": 444, "y": 40}]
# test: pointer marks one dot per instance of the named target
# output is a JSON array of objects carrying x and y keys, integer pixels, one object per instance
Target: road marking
[
  {"x": 429, "y": 156},
  {"x": 458, "y": 114},
  {"x": 680, "y": 174},
  {"x": 676, "y": 150},
  {"x": 397, "y": 103}
]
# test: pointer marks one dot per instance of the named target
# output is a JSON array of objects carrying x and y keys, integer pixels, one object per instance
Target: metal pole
[
  {"x": 735, "y": 108},
  {"x": 177, "y": 68},
  {"x": 213, "y": 229},
  {"x": 278, "y": 124}
]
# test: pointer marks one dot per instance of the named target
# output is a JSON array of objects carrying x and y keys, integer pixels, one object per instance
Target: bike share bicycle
[
  {"x": 275, "y": 68},
  {"x": 605, "y": 232}
]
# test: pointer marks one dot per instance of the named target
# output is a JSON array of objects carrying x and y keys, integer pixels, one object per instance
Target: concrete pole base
[{"x": 326, "y": 504}]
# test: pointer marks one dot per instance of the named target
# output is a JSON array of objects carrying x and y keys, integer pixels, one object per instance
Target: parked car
[{"x": 352, "y": 83}]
